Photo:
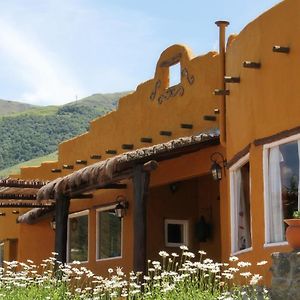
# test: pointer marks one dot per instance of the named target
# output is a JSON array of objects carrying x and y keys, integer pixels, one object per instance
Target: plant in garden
[{"x": 184, "y": 276}]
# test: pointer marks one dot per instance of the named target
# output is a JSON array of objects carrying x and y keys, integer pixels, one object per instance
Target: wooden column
[
  {"x": 140, "y": 185},
  {"x": 61, "y": 231}
]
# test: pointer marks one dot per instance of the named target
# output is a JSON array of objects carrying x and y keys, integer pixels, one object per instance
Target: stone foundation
[{"x": 286, "y": 276}]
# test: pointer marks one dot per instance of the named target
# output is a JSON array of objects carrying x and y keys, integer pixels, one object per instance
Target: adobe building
[{"x": 236, "y": 111}]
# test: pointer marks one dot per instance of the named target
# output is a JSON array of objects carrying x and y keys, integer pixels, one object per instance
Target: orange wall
[{"x": 265, "y": 102}]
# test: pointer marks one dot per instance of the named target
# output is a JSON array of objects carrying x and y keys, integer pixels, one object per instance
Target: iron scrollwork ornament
[
  {"x": 154, "y": 92},
  {"x": 173, "y": 91},
  {"x": 190, "y": 78}
]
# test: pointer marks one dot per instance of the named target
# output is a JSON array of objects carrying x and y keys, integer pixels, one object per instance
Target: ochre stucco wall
[{"x": 264, "y": 103}]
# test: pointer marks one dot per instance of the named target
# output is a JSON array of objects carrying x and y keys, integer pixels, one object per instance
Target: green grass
[
  {"x": 37, "y": 111},
  {"x": 33, "y": 162}
]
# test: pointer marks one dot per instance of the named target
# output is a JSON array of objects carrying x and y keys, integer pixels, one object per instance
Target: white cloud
[{"x": 47, "y": 80}]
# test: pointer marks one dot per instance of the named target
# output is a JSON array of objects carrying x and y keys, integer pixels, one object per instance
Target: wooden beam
[
  {"x": 35, "y": 215},
  {"x": 18, "y": 196},
  {"x": 61, "y": 232},
  {"x": 114, "y": 186},
  {"x": 140, "y": 185},
  {"x": 82, "y": 196},
  {"x": 22, "y": 183},
  {"x": 25, "y": 205}
]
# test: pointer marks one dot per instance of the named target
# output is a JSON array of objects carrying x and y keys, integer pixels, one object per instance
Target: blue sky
[{"x": 52, "y": 51}]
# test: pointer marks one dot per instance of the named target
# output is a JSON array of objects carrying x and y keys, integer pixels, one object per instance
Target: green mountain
[
  {"x": 8, "y": 107},
  {"x": 33, "y": 162},
  {"x": 37, "y": 130}
]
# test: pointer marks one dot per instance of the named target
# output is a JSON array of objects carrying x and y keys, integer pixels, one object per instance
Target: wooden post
[
  {"x": 61, "y": 231},
  {"x": 140, "y": 185}
]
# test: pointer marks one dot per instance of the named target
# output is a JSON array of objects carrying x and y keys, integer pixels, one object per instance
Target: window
[
  {"x": 240, "y": 205},
  {"x": 1, "y": 253},
  {"x": 281, "y": 183},
  {"x": 176, "y": 233},
  {"x": 78, "y": 237},
  {"x": 109, "y": 234},
  {"x": 174, "y": 74}
]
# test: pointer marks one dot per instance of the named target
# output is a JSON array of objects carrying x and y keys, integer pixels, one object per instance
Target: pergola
[{"x": 137, "y": 165}]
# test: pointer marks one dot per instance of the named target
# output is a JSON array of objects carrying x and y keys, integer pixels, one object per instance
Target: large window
[
  {"x": 281, "y": 176},
  {"x": 109, "y": 234},
  {"x": 240, "y": 205},
  {"x": 78, "y": 236}
]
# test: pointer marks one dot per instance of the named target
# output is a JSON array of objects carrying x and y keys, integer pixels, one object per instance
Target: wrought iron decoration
[
  {"x": 172, "y": 91},
  {"x": 190, "y": 78}
]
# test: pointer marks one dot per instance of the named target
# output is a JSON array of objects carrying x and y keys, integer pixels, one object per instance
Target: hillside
[
  {"x": 33, "y": 162},
  {"x": 8, "y": 107},
  {"x": 37, "y": 131}
]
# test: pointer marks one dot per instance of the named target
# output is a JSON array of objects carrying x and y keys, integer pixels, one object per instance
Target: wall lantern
[
  {"x": 121, "y": 207},
  {"x": 216, "y": 168},
  {"x": 53, "y": 224}
]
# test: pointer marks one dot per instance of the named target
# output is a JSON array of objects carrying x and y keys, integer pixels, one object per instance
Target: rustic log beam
[
  {"x": 22, "y": 183},
  {"x": 140, "y": 185},
  {"x": 114, "y": 186},
  {"x": 61, "y": 232},
  {"x": 35, "y": 215},
  {"x": 5, "y": 196},
  {"x": 25, "y": 205}
]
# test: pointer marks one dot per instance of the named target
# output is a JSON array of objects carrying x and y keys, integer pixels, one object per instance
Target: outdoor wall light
[
  {"x": 121, "y": 207},
  {"x": 216, "y": 169},
  {"x": 53, "y": 224}
]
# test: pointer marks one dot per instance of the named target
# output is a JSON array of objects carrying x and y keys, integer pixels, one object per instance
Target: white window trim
[
  {"x": 105, "y": 208},
  {"x": 185, "y": 224},
  {"x": 75, "y": 215},
  {"x": 233, "y": 226},
  {"x": 266, "y": 148}
]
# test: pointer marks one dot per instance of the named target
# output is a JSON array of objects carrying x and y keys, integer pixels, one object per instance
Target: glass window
[
  {"x": 240, "y": 206},
  {"x": 1, "y": 253},
  {"x": 176, "y": 233},
  {"x": 109, "y": 234},
  {"x": 281, "y": 187},
  {"x": 78, "y": 237}
]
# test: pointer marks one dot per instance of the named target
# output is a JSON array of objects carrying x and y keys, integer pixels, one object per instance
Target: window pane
[
  {"x": 241, "y": 225},
  {"x": 78, "y": 238},
  {"x": 1, "y": 254},
  {"x": 289, "y": 169},
  {"x": 244, "y": 225},
  {"x": 109, "y": 235},
  {"x": 175, "y": 233}
]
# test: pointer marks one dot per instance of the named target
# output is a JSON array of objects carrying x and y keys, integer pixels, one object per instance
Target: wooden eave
[{"x": 112, "y": 170}]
